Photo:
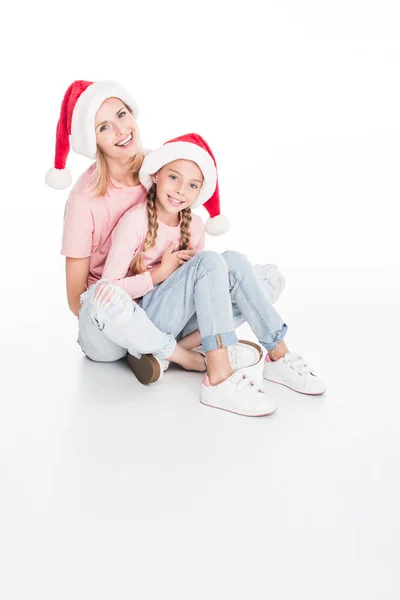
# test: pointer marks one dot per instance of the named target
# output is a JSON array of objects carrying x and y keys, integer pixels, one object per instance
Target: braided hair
[{"x": 137, "y": 265}]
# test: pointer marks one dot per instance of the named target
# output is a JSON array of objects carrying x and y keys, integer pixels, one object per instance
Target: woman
[{"x": 100, "y": 119}]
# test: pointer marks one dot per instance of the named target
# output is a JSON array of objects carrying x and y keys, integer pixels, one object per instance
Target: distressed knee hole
[
  {"x": 106, "y": 294},
  {"x": 110, "y": 302}
]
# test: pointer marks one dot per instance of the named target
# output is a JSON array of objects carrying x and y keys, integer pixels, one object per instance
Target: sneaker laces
[
  {"x": 297, "y": 362},
  {"x": 243, "y": 383}
]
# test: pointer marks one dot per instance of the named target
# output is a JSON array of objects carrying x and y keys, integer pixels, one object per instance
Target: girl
[
  {"x": 100, "y": 120},
  {"x": 182, "y": 175}
]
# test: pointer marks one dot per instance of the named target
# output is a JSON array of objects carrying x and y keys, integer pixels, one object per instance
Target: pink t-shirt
[
  {"x": 127, "y": 241},
  {"x": 89, "y": 220}
]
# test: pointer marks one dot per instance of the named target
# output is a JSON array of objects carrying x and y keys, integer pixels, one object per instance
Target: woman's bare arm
[{"x": 76, "y": 271}]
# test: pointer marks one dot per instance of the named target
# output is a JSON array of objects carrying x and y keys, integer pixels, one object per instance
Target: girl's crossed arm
[{"x": 126, "y": 242}]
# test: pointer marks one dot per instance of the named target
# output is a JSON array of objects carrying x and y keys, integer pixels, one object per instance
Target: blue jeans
[
  {"x": 108, "y": 332},
  {"x": 201, "y": 294}
]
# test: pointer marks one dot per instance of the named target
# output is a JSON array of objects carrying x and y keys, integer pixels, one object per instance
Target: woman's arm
[
  {"x": 77, "y": 246},
  {"x": 76, "y": 271}
]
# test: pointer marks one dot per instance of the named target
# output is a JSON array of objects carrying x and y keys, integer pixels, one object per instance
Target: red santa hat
[
  {"x": 77, "y": 117},
  {"x": 190, "y": 146}
]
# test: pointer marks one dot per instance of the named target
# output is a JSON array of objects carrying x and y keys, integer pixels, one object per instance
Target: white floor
[{"x": 112, "y": 490}]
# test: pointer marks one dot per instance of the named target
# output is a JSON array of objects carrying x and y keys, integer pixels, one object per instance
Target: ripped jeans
[{"x": 111, "y": 324}]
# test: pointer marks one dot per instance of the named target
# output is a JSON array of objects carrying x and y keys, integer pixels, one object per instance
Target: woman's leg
[
  {"x": 111, "y": 324},
  {"x": 91, "y": 338},
  {"x": 192, "y": 340}
]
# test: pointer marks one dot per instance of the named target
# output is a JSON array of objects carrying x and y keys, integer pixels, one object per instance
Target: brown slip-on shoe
[{"x": 147, "y": 368}]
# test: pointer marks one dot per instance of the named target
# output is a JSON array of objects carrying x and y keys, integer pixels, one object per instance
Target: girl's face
[
  {"x": 178, "y": 185},
  {"x": 116, "y": 131}
]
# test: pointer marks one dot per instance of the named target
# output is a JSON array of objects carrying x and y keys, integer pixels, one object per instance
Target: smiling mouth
[
  {"x": 174, "y": 201},
  {"x": 126, "y": 141}
]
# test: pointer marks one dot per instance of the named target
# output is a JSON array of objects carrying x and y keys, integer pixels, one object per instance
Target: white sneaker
[
  {"x": 237, "y": 394},
  {"x": 164, "y": 363},
  {"x": 242, "y": 355},
  {"x": 292, "y": 371},
  {"x": 275, "y": 281}
]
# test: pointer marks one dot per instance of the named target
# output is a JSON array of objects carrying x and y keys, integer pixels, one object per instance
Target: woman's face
[
  {"x": 178, "y": 185},
  {"x": 116, "y": 130}
]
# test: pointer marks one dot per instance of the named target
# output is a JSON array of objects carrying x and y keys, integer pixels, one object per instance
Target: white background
[{"x": 112, "y": 490}]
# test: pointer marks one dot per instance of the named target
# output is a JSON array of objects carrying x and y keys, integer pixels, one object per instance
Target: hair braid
[
  {"x": 185, "y": 228},
  {"x": 137, "y": 265}
]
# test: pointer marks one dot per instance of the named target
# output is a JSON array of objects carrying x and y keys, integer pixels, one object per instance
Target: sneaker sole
[
  {"x": 242, "y": 414},
  {"x": 293, "y": 389},
  {"x": 146, "y": 369}
]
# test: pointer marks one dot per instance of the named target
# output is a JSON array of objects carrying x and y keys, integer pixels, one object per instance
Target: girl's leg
[
  {"x": 273, "y": 283},
  {"x": 249, "y": 296},
  {"x": 281, "y": 366},
  {"x": 201, "y": 286}
]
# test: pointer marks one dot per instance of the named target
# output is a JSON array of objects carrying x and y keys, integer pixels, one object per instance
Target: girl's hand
[
  {"x": 169, "y": 261},
  {"x": 185, "y": 255}
]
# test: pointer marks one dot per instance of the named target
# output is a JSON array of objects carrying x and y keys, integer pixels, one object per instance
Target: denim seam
[
  {"x": 260, "y": 317},
  {"x": 209, "y": 297}
]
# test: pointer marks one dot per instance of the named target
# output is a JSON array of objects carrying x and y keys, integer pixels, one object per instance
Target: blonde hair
[
  {"x": 101, "y": 177},
  {"x": 137, "y": 265}
]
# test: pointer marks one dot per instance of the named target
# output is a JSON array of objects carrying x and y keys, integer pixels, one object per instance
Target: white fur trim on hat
[
  {"x": 217, "y": 225},
  {"x": 59, "y": 179},
  {"x": 83, "y": 135},
  {"x": 175, "y": 151}
]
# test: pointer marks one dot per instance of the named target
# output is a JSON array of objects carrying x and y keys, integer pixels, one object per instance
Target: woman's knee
[
  {"x": 108, "y": 355},
  {"x": 106, "y": 294},
  {"x": 109, "y": 301}
]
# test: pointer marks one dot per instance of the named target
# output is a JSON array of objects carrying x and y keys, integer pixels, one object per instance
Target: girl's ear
[{"x": 154, "y": 178}]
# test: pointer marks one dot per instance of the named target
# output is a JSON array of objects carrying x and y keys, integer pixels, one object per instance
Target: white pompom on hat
[
  {"x": 77, "y": 118},
  {"x": 190, "y": 146}
]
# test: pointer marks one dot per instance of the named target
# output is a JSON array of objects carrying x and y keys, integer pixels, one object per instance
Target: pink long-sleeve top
[{"x": 127, "y": 240}]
